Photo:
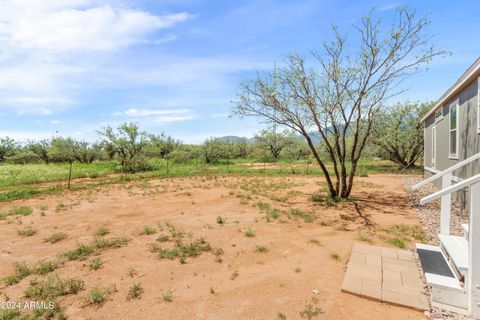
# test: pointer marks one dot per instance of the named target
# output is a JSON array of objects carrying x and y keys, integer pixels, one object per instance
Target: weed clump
[
  {"x": 102, "y": 231},
  {"x": 27, "y": 232},
  {"x": 147, "y": 230},
  {"x": 249, "y": 233},
  {"x": 181, "y": 248},
  {"x": 22, "y": 210},
  {"x": 96, "y": 264},
  {"x": 296, "y": 213},
  {"x": 53, "y": 287},
  {"x": 56, "y": 237},
  {"x": 135, "y": 291},
  {"x": 98, "y": 295},
  {"x": 98, "y": 244}
]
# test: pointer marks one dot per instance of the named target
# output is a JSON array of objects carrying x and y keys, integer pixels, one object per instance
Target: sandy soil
[{"x": 295, "y": 272}]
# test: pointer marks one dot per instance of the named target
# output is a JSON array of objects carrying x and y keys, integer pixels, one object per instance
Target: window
[
  {"x": 439, "y": 114},
  {"x": 453, "y": 125}
]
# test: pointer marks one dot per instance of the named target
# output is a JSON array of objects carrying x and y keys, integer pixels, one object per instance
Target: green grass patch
[
  {"x": 96, "y": 264},
  {"x": 56, "y": 237},
  {"x": 249, "y": 233},
  {"x": 364, "y": 238},
  {"x": 98, "y": 295},
  {"x": 21, "y": 210},
  {"x": 397, "y": 242},
  {"x": 53, "y": 287},
  {"x": 297, "y": 213},
  {"x": 167, "y": 296},
  {"x": 98, "y": 244},
  {"x": 21, "y": 270},
  {"x": 181, "y": 249},
  {"x": 102, "y": 231},
  {"x": 135, "y": 291},
  {"x": 147, "y": 230}
]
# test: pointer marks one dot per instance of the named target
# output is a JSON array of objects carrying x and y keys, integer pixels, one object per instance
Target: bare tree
[{"x": 340, "y": 93}]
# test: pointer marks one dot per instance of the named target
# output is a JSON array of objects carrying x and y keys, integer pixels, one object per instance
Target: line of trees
[
  {"x": 397, "y": 136},
  {"x": 132, "y": 148}
]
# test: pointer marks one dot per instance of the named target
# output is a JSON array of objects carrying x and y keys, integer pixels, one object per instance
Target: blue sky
[{"x": 73, "y": 66}]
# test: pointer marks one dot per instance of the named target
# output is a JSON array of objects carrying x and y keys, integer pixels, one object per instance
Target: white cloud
[
  {"x": 56, "y": 122},
  {"x": 389, "y": 7},
  {"x": 133, "y": 112},
  {"x": 53, "y": 49},
  {"x": 158, "y": 115},
  {"x": 62, "y": 26}
]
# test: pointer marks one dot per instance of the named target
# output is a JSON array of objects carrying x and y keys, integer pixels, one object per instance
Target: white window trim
[
  {"x": 478, "y": 105},
  {"x": 453, "y": 156},
  {"x": 434, "y": 148},
  {"x": 441, "y": 117}
]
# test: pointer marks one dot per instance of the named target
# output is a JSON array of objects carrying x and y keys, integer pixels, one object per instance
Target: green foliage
[
  {"x": 398, "y": 133},
  {"x": 98, "y": 295},
  {"x": 96, "y": 263},
  {"x": 45, "y": 267},
  {"x": 181, "y": 249},
  {"x": 135, "y": 291},
  {"x": 8, "y": 147},
  {"x": 162, "y": 145},
  {"x": 56, "y": 237},
  {"x": 27, "y": 232},
  {"x": 98, "y": 244},
  {"x": 128, "y": 143},
  {"x": 400, "y": 234},
  {"x": 297, "y": 213},
  {"x": 53, "y": 287},
  {"x": 102, "y": 231},
  {"x": 249, "y": 233},
  {"x": 147, "y": 230},
  {"x": 216, "y": 149},
  {"x": 397, "y": 242},
  {"x": 10, "y": 314},
  {"x": 167, "y": 295},
  {"x": 22, "y": 210},
  {"x": 21, "y": 270},
  {"x": 80, "y": 252},
  {"x": 275, "y": 142}
]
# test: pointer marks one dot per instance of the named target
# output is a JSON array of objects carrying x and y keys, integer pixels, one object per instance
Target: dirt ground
[{"x": 297, "y": 276}]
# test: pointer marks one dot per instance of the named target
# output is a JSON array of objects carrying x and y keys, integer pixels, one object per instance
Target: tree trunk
[{"x": 331, "y": 188}]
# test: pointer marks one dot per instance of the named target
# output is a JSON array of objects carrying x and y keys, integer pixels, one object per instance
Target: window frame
[
  {"x": 433, "y": 154},
  {"x": 451, "y": 155},
  {"x": 441, "y": 117},
  {"x": 478, "y": 105}
]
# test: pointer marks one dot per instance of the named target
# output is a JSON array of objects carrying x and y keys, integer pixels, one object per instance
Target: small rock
[{"x": 315, "y": 291}]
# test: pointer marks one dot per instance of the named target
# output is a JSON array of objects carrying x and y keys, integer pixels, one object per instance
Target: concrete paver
[{"x": 385, "y": 274}]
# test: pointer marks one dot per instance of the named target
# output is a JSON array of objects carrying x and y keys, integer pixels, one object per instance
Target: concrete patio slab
[{"x": 385, "y": 274}]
